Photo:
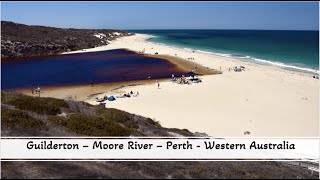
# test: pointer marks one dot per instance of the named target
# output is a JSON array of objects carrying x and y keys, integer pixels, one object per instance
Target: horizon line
[
  {"x": 226, "y": 29},
  {"x": 142, "y": 29}
]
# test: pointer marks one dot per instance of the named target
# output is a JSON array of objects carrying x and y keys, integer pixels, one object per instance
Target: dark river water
[{"x": 82, "y": 68}]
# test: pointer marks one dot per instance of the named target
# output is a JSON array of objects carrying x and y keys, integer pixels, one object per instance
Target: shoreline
[
  {"x": 249, "y": 59},
  {"x": 263, "y": 100},
  {"x": 181, "y": 64},
  {"x": 270, "y": 64},
  {"x": 83, "y": 92}
]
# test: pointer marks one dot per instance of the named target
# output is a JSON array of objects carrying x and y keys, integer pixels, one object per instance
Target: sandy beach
[{"x": 263, "y": 100}]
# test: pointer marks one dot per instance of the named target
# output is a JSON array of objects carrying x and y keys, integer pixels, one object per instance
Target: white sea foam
[
  {"x": 263, "y": 61},
  {"x": 247, "y": 58},
  {"x": 188, "y": 49},
  {"x": 283, "y": 65},
  {"x": 148, "y": 36},
  {"x": 219, "y": 54}
]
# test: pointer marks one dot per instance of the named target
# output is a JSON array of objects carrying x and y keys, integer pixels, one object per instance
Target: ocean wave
[
  {"x": 283, "y": 65},
  {"x": 188, "y": 49},
  {"x": 247, "y": 58},
  {"x": 214, "y": 53},
  {"x": 262, "y": 61},
  {"x": 148, "y": 36}
]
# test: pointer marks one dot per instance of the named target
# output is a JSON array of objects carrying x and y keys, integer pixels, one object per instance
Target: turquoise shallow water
[{"x": 289, "y": 49}]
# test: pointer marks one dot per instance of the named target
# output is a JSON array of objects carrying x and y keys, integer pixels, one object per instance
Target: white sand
[{"x": 264, "y": 100}]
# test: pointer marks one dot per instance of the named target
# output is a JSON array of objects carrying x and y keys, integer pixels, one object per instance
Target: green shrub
[
  {"x": 58, "y": 119},
  {"x": 84, "y": 121},
  {"x": 132, "y": 124},
  {"x": 11, "y": 118},
  {"x": 150, "y": 121},
  {"x": 39, "y": 105},
  {"x": 154, "y": 123},
  {"x": 186, "y": 130},
  {"x": 158, "y": 125},
  {"x": 6, "y": 96},
  {"x": 91, "y": 125},
  {"x": 114, "y": 115}
]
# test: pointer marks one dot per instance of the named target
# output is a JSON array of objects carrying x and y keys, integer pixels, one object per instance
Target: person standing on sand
[
  {"x": 158, "y": 84},
  {"x": 38, "y": 90},
  {"x": 32, "y": 90}
]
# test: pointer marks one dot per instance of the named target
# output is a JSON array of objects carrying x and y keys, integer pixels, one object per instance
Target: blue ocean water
[{"x": 290, "y": 49}]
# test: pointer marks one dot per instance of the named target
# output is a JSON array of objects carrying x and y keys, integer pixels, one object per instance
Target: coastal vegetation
[
  {"x": 50, "y": 106},
  {"x": 92, "y": 125},
  {"x": 23, "y": 115},
  {"x": 12, "y": 117},
  {"x": 20, "y": 40},
  {"x": 40, "y": 114}
]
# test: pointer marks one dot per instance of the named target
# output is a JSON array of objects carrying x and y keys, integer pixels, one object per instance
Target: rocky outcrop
[{"x": 19, "y": 40}]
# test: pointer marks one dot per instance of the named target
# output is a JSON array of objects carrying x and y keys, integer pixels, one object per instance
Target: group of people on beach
[
  {"x": 190, "y": 58},
  {"x": 112, "y": 98},
  {"x": 236, "y": 68},
  {"x": 181, "y": 80},
  {"x": 35, "y": 90},
  {"x": 131, "y": 94}
]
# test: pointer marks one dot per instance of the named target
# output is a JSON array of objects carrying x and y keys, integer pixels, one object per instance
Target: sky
[{"x": 165, "y": 15}]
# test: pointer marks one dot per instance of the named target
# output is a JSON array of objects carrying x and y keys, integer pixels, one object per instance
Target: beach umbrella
[{"x": 192, "y": 74}]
